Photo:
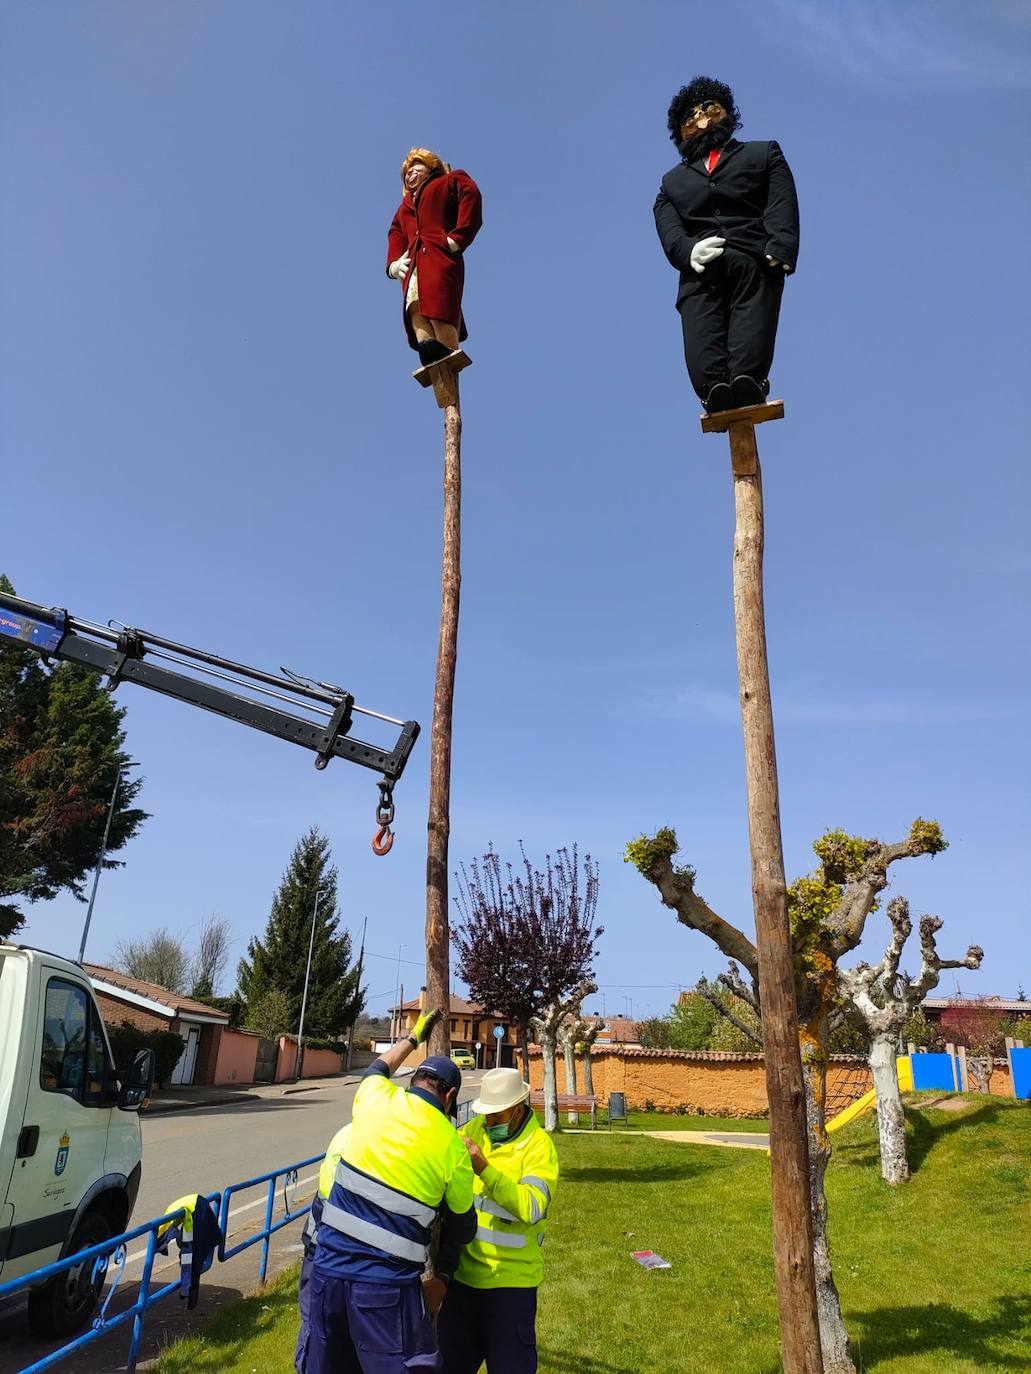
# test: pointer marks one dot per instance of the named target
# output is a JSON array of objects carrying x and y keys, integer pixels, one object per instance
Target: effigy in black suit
[{"x": 727, "y": 216}]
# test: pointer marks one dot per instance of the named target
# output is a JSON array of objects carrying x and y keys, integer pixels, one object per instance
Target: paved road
[{"x": 198, "y": 1151}]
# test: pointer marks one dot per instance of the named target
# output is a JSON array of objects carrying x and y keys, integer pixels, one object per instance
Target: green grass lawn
[
  {"x": 669, "y": 1121},
  {"x": 935, "y": 1276}
]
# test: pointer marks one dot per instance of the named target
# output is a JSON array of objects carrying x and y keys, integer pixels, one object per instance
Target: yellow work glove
[{"x": 424, "y": 1025}]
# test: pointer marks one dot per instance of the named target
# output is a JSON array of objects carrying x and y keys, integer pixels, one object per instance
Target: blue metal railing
[
  {"x": 101, "y": 1256},
  {"x": 289, "y": 1177},
  {"x": 115, "y": 1249}
]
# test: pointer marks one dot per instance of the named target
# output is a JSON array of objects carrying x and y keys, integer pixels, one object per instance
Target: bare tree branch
[
  {"x": 847, "y": 921},
  {"x": 749, "y": 994},
  {"x": 676, "y": 888},
  {"x": 703, "y": 988}
]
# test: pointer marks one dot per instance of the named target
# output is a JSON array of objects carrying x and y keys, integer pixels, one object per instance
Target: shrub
[{"x": 126, "y": 1039}]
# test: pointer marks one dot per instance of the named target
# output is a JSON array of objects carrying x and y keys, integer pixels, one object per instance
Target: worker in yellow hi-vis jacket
[{"x": 491, "y": 1306}]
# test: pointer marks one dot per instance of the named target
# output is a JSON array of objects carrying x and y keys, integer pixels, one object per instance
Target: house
[
  {"x": 945, "y": 1011},
  {"x": 471, "y": 1026},
  {"x": 618, "y": 1030},
  {"x": 150, "y": 1007}
]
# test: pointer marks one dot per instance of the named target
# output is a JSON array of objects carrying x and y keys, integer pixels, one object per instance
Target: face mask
[{"x": 497, "y": 1135}]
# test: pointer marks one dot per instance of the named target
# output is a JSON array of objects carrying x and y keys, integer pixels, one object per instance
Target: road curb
[{"x": 228, "y": 1099}]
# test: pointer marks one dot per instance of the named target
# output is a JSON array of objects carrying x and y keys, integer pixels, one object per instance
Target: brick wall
[
  {"x": 706, "y": 1082},
  {"x": 114, "y": 1013}
]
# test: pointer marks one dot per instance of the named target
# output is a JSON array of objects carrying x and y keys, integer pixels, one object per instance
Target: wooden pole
[
  {"x": 789, "y": 1159},
  {"x": 438, "y": 944}
]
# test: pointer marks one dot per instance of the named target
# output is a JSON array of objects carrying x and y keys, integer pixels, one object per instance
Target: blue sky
[{"x": 208, "y": 428}]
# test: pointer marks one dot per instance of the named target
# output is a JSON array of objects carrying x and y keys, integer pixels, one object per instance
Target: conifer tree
[
  {"x": 277, "y": 961},
  {"x": 61, "y": 747}
]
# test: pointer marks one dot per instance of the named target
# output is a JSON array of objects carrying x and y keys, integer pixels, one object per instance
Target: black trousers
[
  {"x": 492, "y": 1324},
  {"x": 729, "y": 315}
]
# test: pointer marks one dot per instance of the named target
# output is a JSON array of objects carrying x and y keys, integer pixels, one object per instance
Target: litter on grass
[{"x": 648, "y": 1259}]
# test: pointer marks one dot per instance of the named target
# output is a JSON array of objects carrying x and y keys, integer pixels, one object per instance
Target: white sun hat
[{"x": 499, "y": 1090}]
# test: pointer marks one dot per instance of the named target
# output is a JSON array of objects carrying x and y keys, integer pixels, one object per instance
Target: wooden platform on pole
[
  {"x": 442, "y": 376},
  {"x": 789, "y": 1155}
]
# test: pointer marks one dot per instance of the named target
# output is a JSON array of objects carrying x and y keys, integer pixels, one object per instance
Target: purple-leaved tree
[{"x": 526, "y": 938}]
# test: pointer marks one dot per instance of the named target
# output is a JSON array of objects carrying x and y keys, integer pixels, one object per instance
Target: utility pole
[
  {"x": 395, "y": 1016},
  {"x": 789, "y": 1155},
  {"x": 358, "y": 987},
  {"x": 100, "y": 864},
  {"x": 307, "y": 975},
  {"x": 443, "y": 377}
]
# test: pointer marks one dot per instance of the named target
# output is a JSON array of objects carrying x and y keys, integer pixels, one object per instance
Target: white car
[{"x": 70, "y": 1145}]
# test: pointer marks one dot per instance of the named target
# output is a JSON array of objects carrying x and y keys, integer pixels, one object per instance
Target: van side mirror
[{"x": 138, "y": 1082}]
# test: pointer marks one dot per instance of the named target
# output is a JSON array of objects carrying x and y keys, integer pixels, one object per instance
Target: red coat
[{"x": 446, "y": 205}]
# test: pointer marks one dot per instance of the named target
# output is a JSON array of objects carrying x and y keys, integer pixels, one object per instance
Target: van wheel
[{"x": 66, "y": 1302}]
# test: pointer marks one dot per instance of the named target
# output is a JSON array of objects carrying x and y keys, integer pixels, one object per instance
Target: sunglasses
[{"x": 703, "y": 108}]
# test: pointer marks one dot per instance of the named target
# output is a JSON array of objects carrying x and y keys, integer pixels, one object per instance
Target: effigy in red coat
[{"x": 435, "y": 223}]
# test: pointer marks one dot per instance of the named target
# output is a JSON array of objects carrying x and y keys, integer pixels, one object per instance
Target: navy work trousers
[
  {"x": 304, "y": 1303},
  {"x": 368, "y": 1328},
  {"x": 492, "y": 1324}
]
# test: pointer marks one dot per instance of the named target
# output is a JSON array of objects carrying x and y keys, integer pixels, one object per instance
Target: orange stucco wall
[
  {"x": 317, "y": 1063},
  {"x": 237, "y": 1051},
  {"x": 704, "y": 1082}
]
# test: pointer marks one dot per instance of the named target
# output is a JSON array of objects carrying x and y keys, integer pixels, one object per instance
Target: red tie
[{"x": 714, "y": 157}]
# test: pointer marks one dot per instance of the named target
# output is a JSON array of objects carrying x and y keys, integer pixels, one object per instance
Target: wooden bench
[{"x": 568, "y": 1102}]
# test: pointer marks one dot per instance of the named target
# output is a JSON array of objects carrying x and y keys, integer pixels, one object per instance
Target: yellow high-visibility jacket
[{"x": 511, "y": 1197}]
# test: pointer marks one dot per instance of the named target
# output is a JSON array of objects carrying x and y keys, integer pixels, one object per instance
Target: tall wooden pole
[
  {"x": 438, "y": 944},
  {"x": 789, "y": 1160}
]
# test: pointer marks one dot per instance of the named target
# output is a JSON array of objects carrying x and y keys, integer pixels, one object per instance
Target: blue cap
[{"x": 440, "y": 1066}]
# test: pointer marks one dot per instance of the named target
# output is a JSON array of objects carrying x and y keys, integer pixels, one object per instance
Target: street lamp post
[
  {"x": 100, "y": 864},
  {"x": 307, "y": 975}
]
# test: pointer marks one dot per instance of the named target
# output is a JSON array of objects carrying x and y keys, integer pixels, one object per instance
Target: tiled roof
[
  {"x": 459, "y": 1007},
  {"x": 977, "y": 1003},
  {"x": 176, "y": 1001},
  {"x": 618, "y": 1029}
]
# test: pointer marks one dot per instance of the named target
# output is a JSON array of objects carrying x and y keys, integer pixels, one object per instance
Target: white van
[{"x": 70, "y": 1147}]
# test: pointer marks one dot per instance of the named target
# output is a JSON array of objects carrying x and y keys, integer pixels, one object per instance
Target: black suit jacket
[{"x": 749, "y": 199}]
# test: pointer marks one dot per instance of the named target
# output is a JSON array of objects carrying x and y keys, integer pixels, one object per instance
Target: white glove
[
  {"x": 453, "y": 246},
  {"x": 398, "y": 269},
  {"x": 776, "y": 262},
  {"x": 705, "y": 250}
]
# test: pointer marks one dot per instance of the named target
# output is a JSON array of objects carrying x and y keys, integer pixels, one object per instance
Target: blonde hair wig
[{"x": 432, "y": 161}]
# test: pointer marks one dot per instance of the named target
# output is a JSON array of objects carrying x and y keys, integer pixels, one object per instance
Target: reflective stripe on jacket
[
  {"x": 512, "y": 1197},
  {"x": 402, "y": 1159}
]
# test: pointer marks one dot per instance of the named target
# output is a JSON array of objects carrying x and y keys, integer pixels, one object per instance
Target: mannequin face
[
  {"x": 415, "y": 176},
  {"x": 705, "y": 115}
]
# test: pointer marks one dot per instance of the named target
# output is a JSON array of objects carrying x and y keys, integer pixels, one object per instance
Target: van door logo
[{"x": 62, "y": 1154}]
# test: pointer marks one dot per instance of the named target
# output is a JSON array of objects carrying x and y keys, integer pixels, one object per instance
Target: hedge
[{"x": 126, "y": 1039}]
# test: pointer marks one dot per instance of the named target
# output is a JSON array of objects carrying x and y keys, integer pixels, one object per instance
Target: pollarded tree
[
  {"x": 828, "y": 911},
  {"x": 278, "y": 961},
  {"x": 884, "y": 999},
  {"x": 592, "y": 1029},
  {"x": 525, "y": 939},
  {"x": 547, "y": 1027},
  {"x": 570, "y": 1035}
]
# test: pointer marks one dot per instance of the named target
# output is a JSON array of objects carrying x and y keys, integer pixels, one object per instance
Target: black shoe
[
  {"x": 432, "y": 351},
  {"x": 720, "y": 397},
  {"x": 747, "y": 392}
]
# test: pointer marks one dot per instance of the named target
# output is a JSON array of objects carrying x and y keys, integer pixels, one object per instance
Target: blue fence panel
[
  {"x": 1021, "y": 1060},
  {"x": 290, "y": 1214},
  {"x": 934, "y": 1071},
  {"x": 100, "y": 1256}
]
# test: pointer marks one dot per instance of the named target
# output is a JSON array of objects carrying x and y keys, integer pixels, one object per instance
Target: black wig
[{"x": 699, "y": 89}]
